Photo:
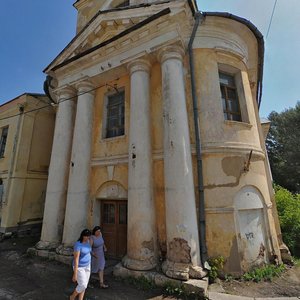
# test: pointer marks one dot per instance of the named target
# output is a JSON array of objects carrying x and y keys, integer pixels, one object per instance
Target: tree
[
  {"x": 283, "y": 146},
  {"x": 288, "y": 206}
]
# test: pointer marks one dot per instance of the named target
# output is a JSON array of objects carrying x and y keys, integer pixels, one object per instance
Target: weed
[
  {"x": 141, "y": 283},
  {"x": 265, "y": 273},
  {"x": 296, "y": 261},
  {"x": 216, "y": 267},
  {"x": 180, "y": 293}
]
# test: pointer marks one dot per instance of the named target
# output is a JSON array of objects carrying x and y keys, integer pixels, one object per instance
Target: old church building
[{"x": 158, "y": 138}]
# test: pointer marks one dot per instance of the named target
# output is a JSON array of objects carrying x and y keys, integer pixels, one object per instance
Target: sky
[{"x": 33, "y": 32}]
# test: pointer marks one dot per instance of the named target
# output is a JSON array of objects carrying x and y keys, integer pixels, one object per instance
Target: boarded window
[
  {"x": 230, "y": 100},
  {"x": 115, "y": 115},
  {"x": 4, "y": 134}
]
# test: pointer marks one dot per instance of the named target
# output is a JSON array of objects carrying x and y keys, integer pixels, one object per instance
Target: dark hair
[
  {"x": 95, "y": 229},
  {"x": 84, "y": 232}
]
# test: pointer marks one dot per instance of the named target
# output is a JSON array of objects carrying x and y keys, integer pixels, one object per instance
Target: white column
[
  {"x": 78, "y": 190},
  {"x": 56, "y": 194},
  {"x": 141, "y": 243},
  {"x": 181, "y": 221}
]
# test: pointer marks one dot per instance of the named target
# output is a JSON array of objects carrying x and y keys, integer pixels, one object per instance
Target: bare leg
[
  {"x": 74, "y": 295},
  {"x": 101, "y": 275},
  {"x": 81, "y": 295}
]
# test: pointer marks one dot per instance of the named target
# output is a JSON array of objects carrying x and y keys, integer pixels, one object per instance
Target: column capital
[
  {"x": 139, "y": 64},
  {"x": 171, "y": 52},
  {"x": 85, "y": 86},
  {"x": 66, "y": 92}
]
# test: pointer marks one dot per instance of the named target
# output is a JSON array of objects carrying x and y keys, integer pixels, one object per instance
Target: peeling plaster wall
[
  {"x": 24, "y": 191},
  {"x": 226, "y": 145}
]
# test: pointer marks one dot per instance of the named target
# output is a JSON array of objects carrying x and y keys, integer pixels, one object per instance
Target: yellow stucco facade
[
  {"x": 25, "y": 161},
  {"x": 141, "y": 51}
]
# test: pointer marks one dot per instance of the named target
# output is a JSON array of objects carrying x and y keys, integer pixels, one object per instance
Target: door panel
[{"x": 114, "y": 227}]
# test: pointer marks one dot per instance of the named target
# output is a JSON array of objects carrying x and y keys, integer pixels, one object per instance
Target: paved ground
[{"x": 34, "y": 278}]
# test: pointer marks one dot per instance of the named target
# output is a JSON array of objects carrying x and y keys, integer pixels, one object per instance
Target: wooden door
[{"x": 114, "y": 227}]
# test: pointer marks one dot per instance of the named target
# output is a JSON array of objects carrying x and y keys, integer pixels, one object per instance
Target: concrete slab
[
  {"x": 279, "y": 298},
  {"x": 221, "y": 296}
]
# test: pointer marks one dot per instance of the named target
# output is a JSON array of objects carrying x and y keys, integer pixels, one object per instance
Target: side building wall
[{"x": 28, "y": 155}]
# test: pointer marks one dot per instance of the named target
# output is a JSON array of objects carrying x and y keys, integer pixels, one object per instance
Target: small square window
[
  {"x": 115, "y": 115},
  {"x": 230, "y": 100},
  {"x": 4, "y": 134}
]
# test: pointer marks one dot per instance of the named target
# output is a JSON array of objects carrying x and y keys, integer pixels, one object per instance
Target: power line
[
  {"x": 270, "y": 23},
  {"x": 49, "y": 105}
]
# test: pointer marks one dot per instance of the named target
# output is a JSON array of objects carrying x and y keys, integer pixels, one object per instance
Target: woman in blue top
[{"x": 82, "y": 264}]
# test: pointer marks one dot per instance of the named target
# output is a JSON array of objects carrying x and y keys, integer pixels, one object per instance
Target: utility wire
[
  {"x": 49, "y": 105},
  {"x": 270, "y": 23}
]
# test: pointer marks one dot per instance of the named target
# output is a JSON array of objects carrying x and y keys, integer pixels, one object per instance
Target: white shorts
[{"x": 83, "y": 276}]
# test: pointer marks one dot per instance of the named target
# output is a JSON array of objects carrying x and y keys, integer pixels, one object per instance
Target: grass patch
[
  {"x": 179, "y": 292},
  {"x": 296, "y": 261},
  {"x": 266, "y": 273},
  {"x": 141, "y": 283}
]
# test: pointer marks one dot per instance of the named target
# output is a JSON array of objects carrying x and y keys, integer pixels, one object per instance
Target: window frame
[
  {"x": 105, "y": 120},
  {"x": 3, "y": 143},
  {"x": 226, "y": 111}
]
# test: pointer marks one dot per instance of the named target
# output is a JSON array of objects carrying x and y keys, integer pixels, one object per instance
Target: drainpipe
[{"x": 203, "y": 250}]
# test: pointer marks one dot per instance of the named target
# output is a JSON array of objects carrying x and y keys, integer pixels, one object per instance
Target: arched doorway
[
  {"x": 111, "y": 209},
  {"x": 250, "y": 223}
]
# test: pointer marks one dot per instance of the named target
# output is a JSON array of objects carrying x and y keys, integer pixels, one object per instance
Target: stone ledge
[
  {"x": 192, "y": 285},
  {"x": 51, "y": 255}
]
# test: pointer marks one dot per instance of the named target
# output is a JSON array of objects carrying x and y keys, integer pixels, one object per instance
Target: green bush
[
  {"x": 216, "y": 267},
  {"x": 288, "y": 206},
  {"x": 265, "y": 273}
]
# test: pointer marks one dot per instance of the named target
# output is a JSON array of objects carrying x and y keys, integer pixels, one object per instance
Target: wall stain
[
  {"x": 149, "y": 245},
  {"x": 231, "y": 166},
  {"x": 179, "y": 251}
]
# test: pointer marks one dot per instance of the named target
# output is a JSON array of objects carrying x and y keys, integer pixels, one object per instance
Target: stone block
[
  {"x": 196, "y": 286},
  {"x": 31, "y": 251},
  {"x": 67, "y": 260},
  {"x": 43, "y": 253}
]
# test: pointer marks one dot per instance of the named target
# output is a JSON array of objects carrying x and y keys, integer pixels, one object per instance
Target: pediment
[
  {"x": 102, "y": 28},
  {"x": 107, "y": 25}
]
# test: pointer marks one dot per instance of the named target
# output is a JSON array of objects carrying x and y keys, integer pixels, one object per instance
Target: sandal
[{"x": 103, "y": 286}]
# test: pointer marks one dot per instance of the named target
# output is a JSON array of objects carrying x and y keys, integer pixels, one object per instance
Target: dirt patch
[{"x": 287, "y": 285}]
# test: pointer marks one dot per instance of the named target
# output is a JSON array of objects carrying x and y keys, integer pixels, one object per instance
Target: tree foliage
[
  {"x": 288, "y": 206},
  {"x": 283, "y": 146}
]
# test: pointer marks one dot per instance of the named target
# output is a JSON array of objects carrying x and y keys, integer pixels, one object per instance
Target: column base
[
  {"x": 65, "y": 250},
  {"x": 139, "y": 265},
  {"x": 182, "y": 271},
  {"x": 41, "y": 245}
]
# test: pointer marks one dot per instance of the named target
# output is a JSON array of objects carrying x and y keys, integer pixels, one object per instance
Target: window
[
  {"x": 230, "y": 100},
  {"x": 123, "y": 4},
  {"x": 1, "y": 192},
  {"x": 3, "y": 141},
  {"x": 115, "y": 111}
]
